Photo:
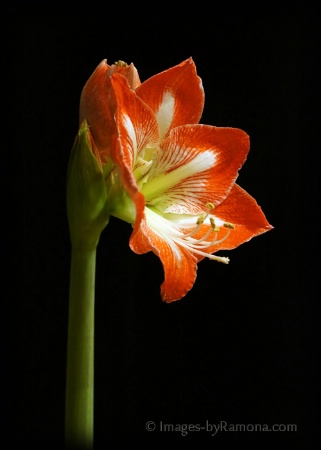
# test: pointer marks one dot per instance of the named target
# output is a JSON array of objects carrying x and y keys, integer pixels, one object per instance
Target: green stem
[{"x": 80, "y": 352}]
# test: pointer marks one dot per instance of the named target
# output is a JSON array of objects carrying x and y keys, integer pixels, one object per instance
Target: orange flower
[{"x": 172, "y": 178}]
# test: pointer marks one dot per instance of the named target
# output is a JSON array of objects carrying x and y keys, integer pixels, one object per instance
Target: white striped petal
[{"x": 179, "y": 190}]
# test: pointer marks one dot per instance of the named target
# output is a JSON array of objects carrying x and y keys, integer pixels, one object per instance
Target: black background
[{"x": 241, "y": 347}]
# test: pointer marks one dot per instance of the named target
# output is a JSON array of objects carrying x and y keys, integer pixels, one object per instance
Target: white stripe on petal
[
  {"x": 128, "y": 124},
  {"x": 171, "y": 233},
  {"x": 165, "y": 113},
  {"x": 158, "y": 185}
]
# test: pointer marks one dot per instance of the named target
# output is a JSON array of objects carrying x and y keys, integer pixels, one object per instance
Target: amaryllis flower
[{"x": 170, "y": 177}]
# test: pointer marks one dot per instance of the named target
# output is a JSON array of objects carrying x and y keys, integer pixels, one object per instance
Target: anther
[
  {"x": 228, "y": 225},
  {"x": 198, "y": 245},
  {"x": 209, "y": 206},
  {"x": 201, "y": 219},
  {"x": 213, "y": 225}
]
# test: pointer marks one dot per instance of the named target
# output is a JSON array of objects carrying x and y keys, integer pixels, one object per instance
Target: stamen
[
  {"x": 228, "y": 225},
  {"x": 199, "y": 222},
  {"x": 172, "y": 233},
  {"x": 209, "y": 206},
  {"x": 214, "y": 241},
  {"x": 213, "y": 225},
  {"x": 201, "y": 219},
  {"x": 222, "y": 259},
  {"x": 188, "y": 238}
]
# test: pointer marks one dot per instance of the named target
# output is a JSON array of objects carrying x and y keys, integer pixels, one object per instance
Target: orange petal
[
  {"x": 136, "y": 123},
  {"x": 136, "y": 128},
  {"x": 179, "y": 265},
  {"x": 242, "y": 210},
  {"x": 202, "y": 162},
  {"x": 96, "y": 103},
  {"x": 94, "y": 107},
  {"x": 128, "y": 71},
  {"x": 175, "y": 95}
]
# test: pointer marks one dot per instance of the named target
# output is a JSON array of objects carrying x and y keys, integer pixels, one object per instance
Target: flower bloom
[{"x": 171, "y": 177}]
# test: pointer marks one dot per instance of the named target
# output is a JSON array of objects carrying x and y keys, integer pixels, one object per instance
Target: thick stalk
[{"x": 80, "y": 351}]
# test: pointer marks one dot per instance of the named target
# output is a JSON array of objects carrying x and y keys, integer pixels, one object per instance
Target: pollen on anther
[
  {"x": 228, "y": 225},
  {"x": 209, "y": 206},
  {"x": 201, "y": 219},
  {"x": 213, "y": 225}
]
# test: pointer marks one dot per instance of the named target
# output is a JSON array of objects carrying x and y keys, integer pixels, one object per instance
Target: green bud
[{"x": 86, "y": 193}]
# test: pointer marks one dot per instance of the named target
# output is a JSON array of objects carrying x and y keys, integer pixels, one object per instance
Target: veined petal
[
  {"x": 135, "y": 121},
  {"x": 128, "y": 71},
  {"x": 94, "y": 108},
  {"x": 175, "y": 95},
  {"x": 96, "y": 102},
  {"x": 241, "y": 210},
  {"x": 137, "y": 130},
  {"x": 178, "y": 263},
  {"x": 194, "y": 165}
]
